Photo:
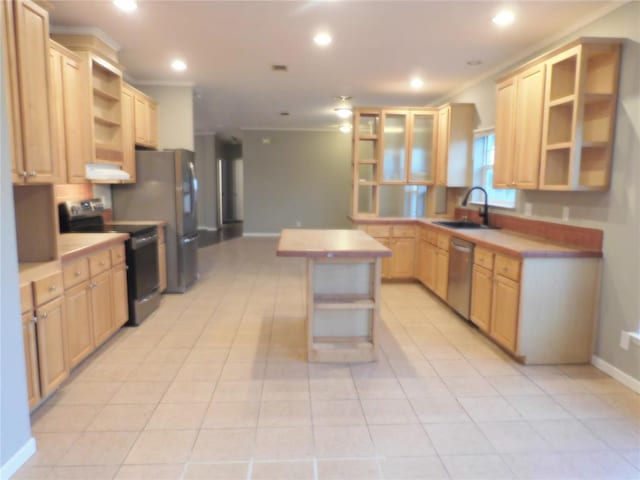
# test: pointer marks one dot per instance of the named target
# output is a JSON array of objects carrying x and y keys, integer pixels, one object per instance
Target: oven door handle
[{"x": 139, "y": 242}]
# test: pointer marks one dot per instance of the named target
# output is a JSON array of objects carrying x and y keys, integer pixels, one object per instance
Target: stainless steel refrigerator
[{"x": 165, "y": 189}]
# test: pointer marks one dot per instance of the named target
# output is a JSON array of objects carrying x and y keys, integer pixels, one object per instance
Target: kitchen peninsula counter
[
  {"x": 73, "y": 245},
  {"x": 343, "y": 291}
]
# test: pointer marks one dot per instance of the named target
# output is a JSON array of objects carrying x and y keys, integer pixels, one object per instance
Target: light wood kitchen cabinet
[
  {"x": 71, "y": 139},
  {"x": 30, "y": 345},
  {"x": 442, "y": 273},
  {"x": 101, "y": 307},
  {"x": 454, "y": 146},
  {"x": 481, "y": 297},
  {"x": 120, "y": 301},
  {"x": 431, "y": 261},
  {"x": 401, "y": 240},
  {"x": 519, "y": 108},
  {"x": 26, "y": 27},
  {"x": 579, "y": 115},
  {"x": 422, "y": 147},
  {"x": 79, "y": 328},
  {"x": 145, "y": 119},
  {"x": 128, "y": 133},
  {"x": 52, "y": 356},
  {"x": 504, "y": 312},
  {"x": 402, "y": 257},
  {"x": 395, "y": 146},
  {"x": 153, "y": 124}
]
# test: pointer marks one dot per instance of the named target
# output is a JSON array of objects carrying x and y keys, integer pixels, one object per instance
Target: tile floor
[{"x": 215, "y": 386}]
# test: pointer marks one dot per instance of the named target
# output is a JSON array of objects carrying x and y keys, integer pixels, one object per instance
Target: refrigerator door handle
[{"x": 190, "y": 239}]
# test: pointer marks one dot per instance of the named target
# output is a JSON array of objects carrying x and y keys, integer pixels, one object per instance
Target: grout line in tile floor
[{"x": 248, "y": 312}]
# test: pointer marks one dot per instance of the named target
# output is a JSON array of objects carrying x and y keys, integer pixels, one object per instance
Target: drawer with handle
[
  {"x": 117, "y": 255},
  {"x": 508, "y": 267},
  {"x": 443, "y": 241},
  {"x": 47, "y": 288},
  {"x": 99, "y": 262},
  {"x": 483, "y": 257},
  {"x": 431, "y": 236},
  {"x": 75, "y": 273}
]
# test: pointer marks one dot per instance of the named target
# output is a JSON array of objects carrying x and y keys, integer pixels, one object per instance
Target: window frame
[{"x": 480, "y": 173}]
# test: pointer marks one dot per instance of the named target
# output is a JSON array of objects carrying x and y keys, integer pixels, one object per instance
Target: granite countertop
[
  {"x": 73, "y": 245},
  {"x": 503, "y": 241},
  {"x": 329, "y": 243}
]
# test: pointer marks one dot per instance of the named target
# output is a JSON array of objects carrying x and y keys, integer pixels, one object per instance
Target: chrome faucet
[{"x": 484, "y": 214}]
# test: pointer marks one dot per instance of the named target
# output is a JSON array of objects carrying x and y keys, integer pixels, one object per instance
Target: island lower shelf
[{"x": 343, "y": 309}]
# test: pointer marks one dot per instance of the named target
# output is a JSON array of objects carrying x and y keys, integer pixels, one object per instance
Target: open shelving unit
[
  {"x": 343, "y": 309},
  {"x": 579, "y": 116},
  {"x": 106, "y": 86},
  {"x": 366, "y": 145}
]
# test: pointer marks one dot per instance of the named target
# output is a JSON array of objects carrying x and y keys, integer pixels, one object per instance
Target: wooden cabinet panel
[
  {"x": 26, "y": 299},
  {"x": 483, "y": 257},
  {"x": 78, "y": 320},
  {"x": 403, "y": 231},
  {"x": 508, "y": 267},
  {"x": 117, "y": 255},
  {"x": 504, "y": 315},
  {"x": 57, "y": 108},
  {"x": 442, "y": 273},
  {"x": 431, "y": 266},
  {"x": 48, "y": 288},
  {"x": 31, "y": 358},
  {"x": 505, "y": 133},
  {"x": 442, "y": 146},
  {"x": 162, "y": 266},
  {"x": 481, "y": 296},
  {"x": 52, "y": 358},
  {"x": 153, "y": 125},
  {"x": 32, "y": 42},
  {"x": 128, "y": 133},
  {"x": 99, "y": 262},
  {"x": 386, "y": 261},
  {"x": 75, "y": 273},
  {"x": 120, "y": 299},
  {"x": 402, "y": 257},
  {"x": 141, "y": 116},
  {"x": 102, "y": 307},
  {"x": 528, "y": 135}
]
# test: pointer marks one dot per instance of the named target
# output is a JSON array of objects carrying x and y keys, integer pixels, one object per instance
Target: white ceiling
[{"x": 377, "y": 45}]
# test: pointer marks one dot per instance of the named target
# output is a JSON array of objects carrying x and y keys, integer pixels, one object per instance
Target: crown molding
[{"x": 96, "y": 32}]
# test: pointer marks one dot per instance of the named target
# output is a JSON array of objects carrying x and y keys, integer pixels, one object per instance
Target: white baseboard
[
  {"x": 624, "y": 378},
  {"x": 208, "y": 229},
  {"x": 19, "y": 458},
  {"x": 261, "y": 234}
]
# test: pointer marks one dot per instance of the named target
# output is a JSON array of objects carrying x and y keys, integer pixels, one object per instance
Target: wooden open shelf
[
  {"x": 98, "y": 92},
  {"x": 105, "y": 121},
  {"x": 579, "y": 116}
]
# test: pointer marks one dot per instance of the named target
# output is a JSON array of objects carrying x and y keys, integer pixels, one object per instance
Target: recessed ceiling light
[
  {"x": 126, "y": 5},
  {"x": 345, "y": 127},
  {"x": 474, "y": 63},
  {"x": 322, "y": 39},
  {"x": 284, "y": 114},
  {"x": 279, "y": 67},
  {"x": 179, "y": 65},
  {"x": 504, "y": 18},
  {"x": 416, "y": 82}
]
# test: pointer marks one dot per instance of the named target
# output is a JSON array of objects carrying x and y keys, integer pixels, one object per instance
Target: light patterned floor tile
[
  {"x": 99, "y": 448},
  {"x": 417, "y": 468},
  {"x": 477, "y": 467},
  {"x": 158, "y": 446},
  {"x": 231, "y": 415},
  {"x": 348, "y": 470},
  {"x": 351, "y": 441},
  {"x": 401, "y": 440},
  {"x": 222, "y": 444}
]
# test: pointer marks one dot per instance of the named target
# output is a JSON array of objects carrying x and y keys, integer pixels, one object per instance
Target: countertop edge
[
  {"x": 82, "y": 250},
  {"x": 571, "y": 252},
  {"x": 332, "y": 254}
]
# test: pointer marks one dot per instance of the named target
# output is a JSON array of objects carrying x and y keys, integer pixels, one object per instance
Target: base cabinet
[
  {"x": 504, "y": 315},
  {"x": 119, "y": 291},
  {"x": 481, "y": 297},
  {"x": 52, "y": 358},
  {"x": 101, "y": 307},
  {"x": 31, "y": 358},
  {"x": 402, "y": 257},
  {"x": 442, "y": 273},
  {"x": 79, "y": 328}
]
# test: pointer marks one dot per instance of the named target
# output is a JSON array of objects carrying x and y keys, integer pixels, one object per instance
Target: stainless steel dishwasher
[{"x": 460, "y": 268}]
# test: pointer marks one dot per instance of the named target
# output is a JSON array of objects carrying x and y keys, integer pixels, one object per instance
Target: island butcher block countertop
[
  {"x": 502, "y": 240},
  {"x": 73, "y": 245},
  {"x": 329, "y": 243}
]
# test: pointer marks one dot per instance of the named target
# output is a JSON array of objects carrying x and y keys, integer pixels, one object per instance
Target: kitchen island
[{"x": 343, "y": 291}]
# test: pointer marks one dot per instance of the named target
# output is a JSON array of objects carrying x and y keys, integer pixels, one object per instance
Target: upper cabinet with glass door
[
  {"x": 422, "y": 141},
  {"x": 395, "y": 146}
]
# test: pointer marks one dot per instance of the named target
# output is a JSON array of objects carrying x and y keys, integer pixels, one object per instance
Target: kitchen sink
[{"x": 464, "y": 224}]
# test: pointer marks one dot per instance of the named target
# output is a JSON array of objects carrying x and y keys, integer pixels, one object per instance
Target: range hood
[{"x": 105, "y": 171}]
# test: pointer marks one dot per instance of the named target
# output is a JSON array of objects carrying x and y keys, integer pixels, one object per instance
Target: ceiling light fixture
[
  {"x": 179, "y": 65},
  {"x": 344, "y": 108},
  {"x": 504, "y": 18},
  {"x": 126, "y": 5},
  {"x": 416, "y": 82},
  {"x": 345, "y": 127},
  {"x": 322, "y": 39}
]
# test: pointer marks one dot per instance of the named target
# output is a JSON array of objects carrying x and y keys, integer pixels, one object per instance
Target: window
[{"x": 484, "y": 149}]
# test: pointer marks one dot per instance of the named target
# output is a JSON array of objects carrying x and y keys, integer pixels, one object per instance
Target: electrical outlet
[
  {"x": 528, "y": 209},
  {"x": 625, "y": 340},
  {"x": 565, "y": 214},
  {"x": 298, "y": 223}
]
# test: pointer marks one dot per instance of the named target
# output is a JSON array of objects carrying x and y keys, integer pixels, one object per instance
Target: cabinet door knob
[
  {"x": 24, "y": 174},
  {"x": 52, "y": 288},
  {"x": 33, "y": 173},
  {"x": 76, "y": 273},
  {"x": 44, "y": 315},
  {"x": 102, "y": 263}
]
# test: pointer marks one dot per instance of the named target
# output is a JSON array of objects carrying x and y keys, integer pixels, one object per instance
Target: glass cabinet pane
[
  {"x": 394, "y": 155},
  {"x": 422, "y": 149},
  {"x": 366, "y": 150},
  {"x": 368, "y": 125},
  {"x": 366, "y": 172},
  {"x": 366, "y": 199},
  {"x": 403, "y": 200}
]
